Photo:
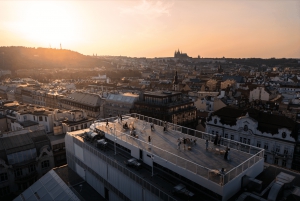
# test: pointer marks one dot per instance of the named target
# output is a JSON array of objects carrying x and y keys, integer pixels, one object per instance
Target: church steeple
[{"x": 175, "y": 82}]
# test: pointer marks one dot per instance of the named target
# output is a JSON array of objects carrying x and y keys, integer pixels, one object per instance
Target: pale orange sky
[{"x": 156, "y": 28}]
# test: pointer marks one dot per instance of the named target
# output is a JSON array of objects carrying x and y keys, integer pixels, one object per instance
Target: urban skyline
[{"x": 156, "y": 28}]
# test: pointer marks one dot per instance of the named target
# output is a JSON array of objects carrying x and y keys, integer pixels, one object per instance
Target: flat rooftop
[{"x": 165, "y": 145}]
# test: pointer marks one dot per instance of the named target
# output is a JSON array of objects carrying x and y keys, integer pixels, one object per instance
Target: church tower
[{"x": 175, "y": 82}]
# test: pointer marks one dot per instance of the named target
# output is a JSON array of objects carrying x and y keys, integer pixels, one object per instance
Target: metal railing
[{"x": 256, "y": 152}]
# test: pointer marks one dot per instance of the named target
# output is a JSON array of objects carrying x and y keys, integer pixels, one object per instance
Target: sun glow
[{"x": 48, "y": 22}]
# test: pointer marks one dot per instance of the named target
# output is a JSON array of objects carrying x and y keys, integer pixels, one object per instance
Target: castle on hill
[{"x": 180, "y": 55}]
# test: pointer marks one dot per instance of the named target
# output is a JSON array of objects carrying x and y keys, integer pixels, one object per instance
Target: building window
[
  {"x": 45, "y": 119},
  {"x": 31, "y": 168},
  {"x": 277, "y": 150},
  {"x": 226, "y": 135},
  {"x": 232, "y": 137},
  {"x": 45, "y": 164},
  {"x": 25, "y": 117},
  {"x": 245, "y": 140},
  {"x": 58, "y": 146},
  {"x": 215, "y": 121},
  {"x": 76, "y": 127},
  {"x": 3, "y": 177},
  {"x": 4, "y": 191},
  {"x": 212, "y": 132},
  {"x": 241, "y": 139},
  {"x": 248, "y": 141},
  {"x": 266, "y": 158},
  {"x": 33, "y": 118},
  {"x": 286, "y": 150},
  {"x": 283, "y": 134},
  {"x": 245, "y": 128},
  {"x": 276, "y": 161},
  {"x": 266, "y": 146},
  {"x": 18, "y": 172},
  {"x": 283, "y": 163},
  {"x": 72, "y": 128},
  {"x": 217, "y": 133},
  {"x": 40, "y": 118},
  {"x": 258, "y": 144}
]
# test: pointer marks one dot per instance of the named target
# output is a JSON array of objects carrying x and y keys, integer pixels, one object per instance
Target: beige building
[
  {"x": 261, "y": 93},
  {"x": 212, "y": 84},
  {"x": 209, "y": 104},
  {"x": 228, "y": 83}
]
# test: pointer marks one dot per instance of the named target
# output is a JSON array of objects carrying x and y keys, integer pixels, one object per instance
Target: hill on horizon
[{"x": 18, "y": 57}]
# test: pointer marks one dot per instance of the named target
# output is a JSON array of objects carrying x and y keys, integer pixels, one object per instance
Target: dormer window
[
  {"x": 283, "y": 134},
  {"x": 215, "y": 121},
  {"x": 245, "y": 128}
]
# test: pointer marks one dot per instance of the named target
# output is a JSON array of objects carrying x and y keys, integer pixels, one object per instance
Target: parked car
[
  {"x": 133, "y": 162},
  {"x": 101, "y": 144},
  {"x": 180, "y": 189}
]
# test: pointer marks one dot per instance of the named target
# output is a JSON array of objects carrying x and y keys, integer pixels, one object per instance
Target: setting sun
[{"x": 50, "y": 23}]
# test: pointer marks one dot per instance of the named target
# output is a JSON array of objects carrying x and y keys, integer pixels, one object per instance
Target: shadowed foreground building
[
  {"x": 23, "y": 159},
  {"x": 163, "y": 166}
]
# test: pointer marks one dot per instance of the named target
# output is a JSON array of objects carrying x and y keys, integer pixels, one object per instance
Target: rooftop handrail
[{"x": 176, "y": 128}]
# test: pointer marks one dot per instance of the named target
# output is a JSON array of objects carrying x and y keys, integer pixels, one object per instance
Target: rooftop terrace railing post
[
  {"x": 249, "y": 162},
  {"x": 208, "y": 174},
  {"x": 115, "y": 139}
]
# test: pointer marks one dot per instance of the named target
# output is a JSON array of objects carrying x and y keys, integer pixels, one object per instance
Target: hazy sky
[{"x": 143, "y": 28}]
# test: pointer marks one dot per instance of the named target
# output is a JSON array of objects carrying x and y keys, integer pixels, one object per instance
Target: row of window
[
  {"x": 276, "y": 161},
  {"x": 94, "y": 109},
  {"x": 225, "y": 135},
  {"x": 277, "y": 148},
  {"x": 58, "y": 146},
  {"x": 31, "y": 168},
  {"x": 248, "y": 141},
  {"x": 75, "y": 128}
]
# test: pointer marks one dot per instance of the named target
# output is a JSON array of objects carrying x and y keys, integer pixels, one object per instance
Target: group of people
[
  {"x": 217, "y": 140},
  {"x": 185, "y": 141}
]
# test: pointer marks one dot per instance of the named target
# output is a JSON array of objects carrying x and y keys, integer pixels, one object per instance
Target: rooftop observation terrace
[{"x": 197, "y": 160}]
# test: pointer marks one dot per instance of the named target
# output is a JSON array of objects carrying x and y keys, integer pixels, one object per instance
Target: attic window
[
  {"x": 283, "y": 134},
  {"x": 215, "y": 121},
  {"x": 245, "y": 128}
]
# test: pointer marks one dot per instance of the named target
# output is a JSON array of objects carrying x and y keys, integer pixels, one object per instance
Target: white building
[
  {"x": 272, "y": 132},
  {"x": 164, "y": 166}
]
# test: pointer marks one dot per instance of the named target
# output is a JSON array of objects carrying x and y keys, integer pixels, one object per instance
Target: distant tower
[
  {"x": 175, "y": 82},
  {"x": 60, "y": 46}
]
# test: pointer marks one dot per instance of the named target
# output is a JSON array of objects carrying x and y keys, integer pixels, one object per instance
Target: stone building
[
  {"x": 167, "y": 106},
  {"x": 275, "y": 133},
  {"x": 92, "y": 104},
  {"x": 24, "y": 158}
]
